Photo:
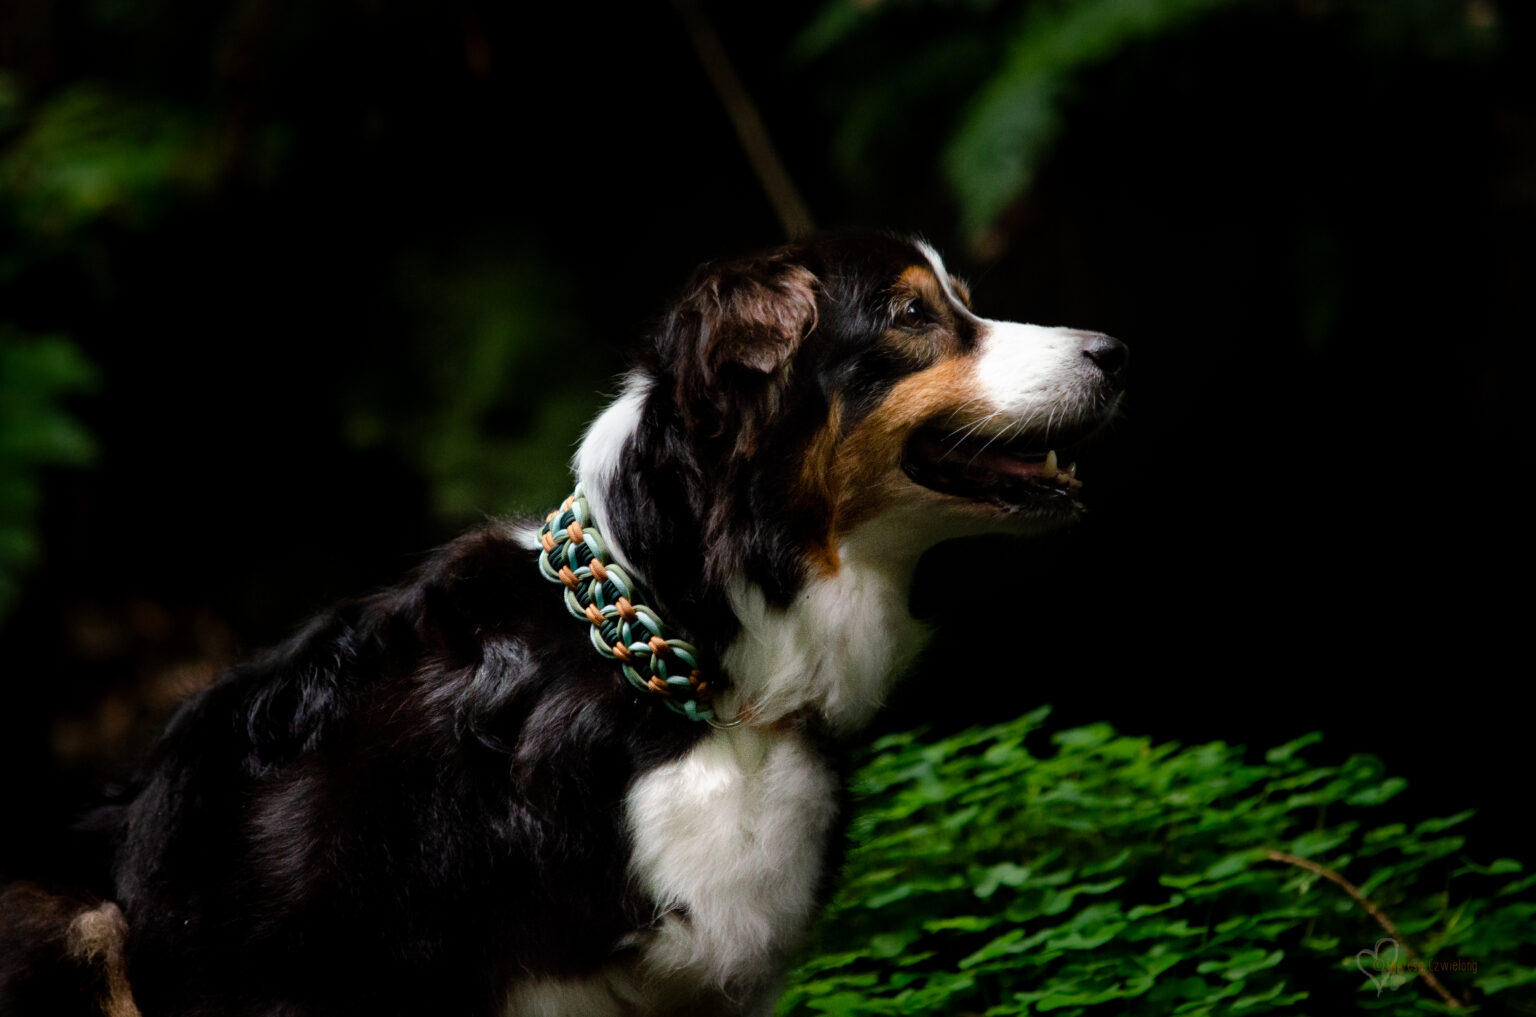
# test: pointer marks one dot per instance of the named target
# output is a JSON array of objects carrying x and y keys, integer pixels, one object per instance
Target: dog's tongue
[
  {"x": 1031, "y": 468},
  {"x": 1020, "y": 466}
]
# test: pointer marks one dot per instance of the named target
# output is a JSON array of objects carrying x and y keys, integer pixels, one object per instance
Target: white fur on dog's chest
[{"x": 729, "y": 840}]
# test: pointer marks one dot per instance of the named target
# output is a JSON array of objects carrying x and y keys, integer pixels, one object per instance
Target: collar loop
[{"x": 598, "y": 591}]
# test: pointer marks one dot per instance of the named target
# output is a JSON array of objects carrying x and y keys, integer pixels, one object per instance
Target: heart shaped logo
[{"x": 1375, "y": 955}]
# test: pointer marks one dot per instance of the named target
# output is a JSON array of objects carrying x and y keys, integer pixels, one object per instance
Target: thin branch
[
  {"x": 1374, "y": 912},
  {"x": 793, "y": 214}
]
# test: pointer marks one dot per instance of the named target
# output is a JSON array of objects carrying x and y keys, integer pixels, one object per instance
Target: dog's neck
[
  {"x": 832, "y": 650},
  {"x": 838, "y": 646}
]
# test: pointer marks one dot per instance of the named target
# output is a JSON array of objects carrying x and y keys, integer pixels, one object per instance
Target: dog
[{"x": 592, "y": 767}]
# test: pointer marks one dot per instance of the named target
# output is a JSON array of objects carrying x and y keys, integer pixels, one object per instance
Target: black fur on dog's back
[{"x": 410, "y": 803}]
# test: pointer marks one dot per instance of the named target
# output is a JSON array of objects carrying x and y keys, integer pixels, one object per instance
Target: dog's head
[
  {"x": 795, "y": 400},
  {"x": 803, "y": 426}
]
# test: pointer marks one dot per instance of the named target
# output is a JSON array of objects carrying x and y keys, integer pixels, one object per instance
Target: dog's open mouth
[{"x": 1011, "y": 472}]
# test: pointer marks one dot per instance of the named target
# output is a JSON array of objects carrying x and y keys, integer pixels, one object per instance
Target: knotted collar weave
[{"x": 599, "y": 591}]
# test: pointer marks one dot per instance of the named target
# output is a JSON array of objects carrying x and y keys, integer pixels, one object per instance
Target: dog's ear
[
  {"x": 730, "y": 338},
  {"x": 751, "y": 314}
]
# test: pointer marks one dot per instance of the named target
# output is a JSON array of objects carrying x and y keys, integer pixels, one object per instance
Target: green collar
[{"x": 600, "y": 592}]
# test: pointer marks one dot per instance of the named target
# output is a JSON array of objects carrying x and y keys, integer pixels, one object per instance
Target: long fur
[{"x": 439, "y": 799}]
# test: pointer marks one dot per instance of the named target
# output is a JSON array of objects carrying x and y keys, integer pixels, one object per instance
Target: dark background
[{"x": 333, "y": 280}]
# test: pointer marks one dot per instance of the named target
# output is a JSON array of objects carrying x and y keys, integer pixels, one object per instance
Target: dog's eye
[{"x": 913, "y": 314}]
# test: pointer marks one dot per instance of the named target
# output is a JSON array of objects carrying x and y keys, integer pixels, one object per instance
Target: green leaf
[
  {"x": 1438, "y": 825},
  {"x": 1084, "y": 737},
  {"x": 1382, "y": 792},
  {"x": 1497, "y": 867},
  {"x": 1315, "y": 842},
  {"x": 1233, "y": 864},
  {"x": 1281, "y": 753},
  {"x": 1518, "y": 886},
  {"x": 1005, "y": 874}
]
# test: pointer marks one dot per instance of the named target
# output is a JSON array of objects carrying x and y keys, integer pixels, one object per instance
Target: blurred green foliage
[
  {"x": 37, "y": 431},
  {"x": 480, "y": 387},
  {"x": 62, "y": 166},
  {"x": 87, "y": 153},
  {"x": 92, "y": 158},
  {"x": 1010, "y": 70},
  {"x": 493, "y": 387},
  {"x": 1110, "y": 875}
]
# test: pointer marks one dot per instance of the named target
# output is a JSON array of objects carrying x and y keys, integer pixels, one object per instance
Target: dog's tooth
[
  {"x": 1048, "y": 471},
  {"x": 1072, "y": 471}
]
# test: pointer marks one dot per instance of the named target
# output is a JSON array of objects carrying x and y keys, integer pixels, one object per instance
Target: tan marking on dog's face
[
  {"x": 847, "y": 479},
  {"x": 866, "y": 475},
  {"x": 920, "y": 278},
  {"x": 925, "y": 341},
  {"x": 817, "y": 490}
]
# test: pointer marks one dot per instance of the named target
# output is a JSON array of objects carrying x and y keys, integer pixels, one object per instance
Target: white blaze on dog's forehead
[
  {"x": 599, "y": 457},
  {"x": 937, "y": 264}
]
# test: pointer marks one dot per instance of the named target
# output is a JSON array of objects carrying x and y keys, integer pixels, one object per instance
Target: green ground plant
[{"x": 1110, "y": 875}]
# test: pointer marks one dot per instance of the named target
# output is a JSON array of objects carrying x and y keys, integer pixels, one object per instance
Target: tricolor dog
[{"x": 587, "y": 765}]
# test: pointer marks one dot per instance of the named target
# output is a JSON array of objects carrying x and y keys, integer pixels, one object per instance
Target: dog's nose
[{"x": 1110, "y": 355}]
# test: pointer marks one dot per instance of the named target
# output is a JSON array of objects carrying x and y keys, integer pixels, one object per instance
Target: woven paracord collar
[{"x": 600, "y": 592}]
